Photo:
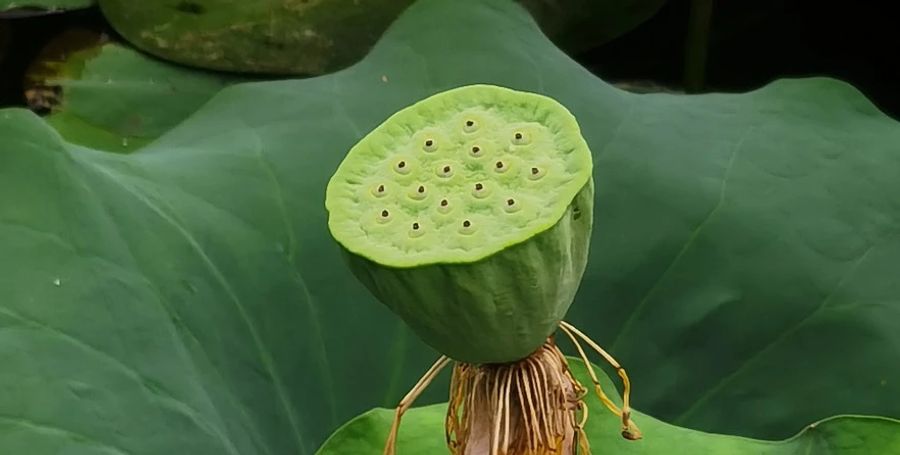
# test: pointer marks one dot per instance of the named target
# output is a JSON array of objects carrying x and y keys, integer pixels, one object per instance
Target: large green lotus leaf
[
  {"x": 422, "y": 431},
  {"x": 315, "y": 37},
  {"x": 187, "y": 298},
  {"x": 114, "y": 98}
]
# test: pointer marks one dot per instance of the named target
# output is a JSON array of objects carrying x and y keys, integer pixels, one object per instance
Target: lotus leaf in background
[
  {"x": 187, "y": 297},
  {"x": 266, "y": 36},
  {"x": 579, "y": 25},
  {"x": 111, "y": 97},
  {"x": 315, "y": 37},
  {"x": 424, "y": 433},
  {"x": 20, "y": 8}
]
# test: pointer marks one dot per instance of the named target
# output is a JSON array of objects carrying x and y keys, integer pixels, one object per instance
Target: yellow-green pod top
[{"x": 469, "y": 214}]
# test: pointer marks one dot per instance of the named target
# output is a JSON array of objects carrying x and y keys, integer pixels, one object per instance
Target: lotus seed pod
[{"x": 469, "y": 215}]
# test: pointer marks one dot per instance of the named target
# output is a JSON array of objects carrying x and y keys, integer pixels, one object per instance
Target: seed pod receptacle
[{"x": 469, "y": 214}]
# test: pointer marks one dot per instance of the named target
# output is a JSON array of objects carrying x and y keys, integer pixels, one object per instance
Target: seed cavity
[
  {"x": 418, "y": 193},
  {"x": 511, "y": 205},
  {"x": 520, "y": 138},
  {"x": 536, "y": 173},
  {"x": 444, "y": 170},
  {"x": 379, "y": 190},
  {"x": 384, "y": 216},
  {"x": 430, "y": 145},
  {"x": 476, "y": 151},
  {"x": 480, "y": 191},
  {"x": 466, "y": 227},
  {"x": 444, "y": 206},
  {"x": 500, "y": 167},
  {"x": 470, "y": 126},
  {"x": 416, "y": 230},
  {"x": 402, "y": 167}
]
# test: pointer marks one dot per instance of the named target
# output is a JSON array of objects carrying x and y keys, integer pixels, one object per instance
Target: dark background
[{"x": 750, "y": 43}]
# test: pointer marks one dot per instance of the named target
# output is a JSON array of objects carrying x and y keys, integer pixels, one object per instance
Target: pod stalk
[{"x": 533, "y": 406}]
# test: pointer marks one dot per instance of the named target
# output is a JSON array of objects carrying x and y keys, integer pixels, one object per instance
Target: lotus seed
[
  {"x": 444, "y": 207},
  {"x": 500, "y": 167},
  {"x": 536, "y": 173},
  {"x": 430, "y": 145},
  {"x": 385, "y": 214},
  {"x": 511, "y": 206},
  {"x": 520, "y": 138},
  {"x": 466, "y": 228},
  {"x": 419, "y": 193},
  {"x": 479, "y": 187},
  {"x": 379, "y": 191},
  {"x": 416, "y": 231},
  {"x": 476, "y": 150},
  {"x": 401, "y": 167}
]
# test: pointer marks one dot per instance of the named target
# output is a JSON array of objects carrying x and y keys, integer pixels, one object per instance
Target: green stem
[{"x": 696, "y": 45}]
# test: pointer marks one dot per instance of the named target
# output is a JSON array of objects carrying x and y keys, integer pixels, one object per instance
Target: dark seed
[
  {"x": 510, "y": 202},
  {"x": 429, "y": 142},
  {"x": 444, "y": 202},
  {"x": 384, "y": 213},
  {"x": 499, "y": 164},
  {"x": 476, "y": 149},
  {"x": 446, "y": 169},
  {"x": 401, "y": 164},
  {"x": 535, "y": 170},
  {"x": 415, "y": 226},
  {"x": 421, "y": 189},
  {"x": 518, "y": 135},
  {"x": 469, "y": 123},
  {"x": 466, "y": 223},
  {"x": 479, "y": 186},
  {"x": 381, "y": 188}
]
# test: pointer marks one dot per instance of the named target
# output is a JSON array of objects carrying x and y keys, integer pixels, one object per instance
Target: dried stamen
[{"x": 524, "y": 407}]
